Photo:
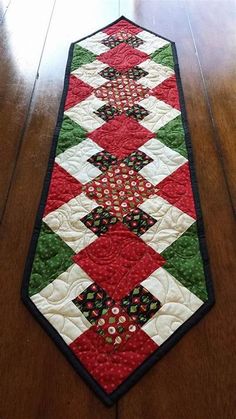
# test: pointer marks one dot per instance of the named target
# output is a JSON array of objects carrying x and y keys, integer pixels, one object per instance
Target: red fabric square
[
  {"x": 118, "y": 261},
  {"x": 123, "y": 57},
  {"x": 110, "y": 365},
  {"x": 177, "y": 190},
  {"x": 120, "y": 190},
  {"x": 168, "y": 92},
  {"x": 63, "y": 188},
  {"x": 116, "y": 327},
  {"x": 122, "y": 25},
  {"x": 122, "y": 93},
  {"x": 123, "y": 35},
  {"x": 77, "y": 91},
  {"x": 121, "y": 135}
]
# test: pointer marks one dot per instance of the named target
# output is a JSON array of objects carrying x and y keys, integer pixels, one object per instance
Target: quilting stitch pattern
[{"x": 118, "y": 268}]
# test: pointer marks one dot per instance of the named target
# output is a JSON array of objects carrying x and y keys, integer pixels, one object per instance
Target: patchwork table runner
[{"x": 117, "y": 270}]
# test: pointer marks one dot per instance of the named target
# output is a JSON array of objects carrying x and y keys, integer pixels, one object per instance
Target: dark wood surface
[{"x": 195, "y": 380}]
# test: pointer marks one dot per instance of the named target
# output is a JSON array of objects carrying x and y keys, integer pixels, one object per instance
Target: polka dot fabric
[
  {"x": 118, "y": 260},
  {"x": 116, "y": 268},
  {"x": 120, "y": 190},
  {"x": 110, "y": 368},
  {"x": 122, "y": 93}
]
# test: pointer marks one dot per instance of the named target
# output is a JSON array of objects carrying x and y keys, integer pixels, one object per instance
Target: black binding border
[{"x": 110, "y": 399}]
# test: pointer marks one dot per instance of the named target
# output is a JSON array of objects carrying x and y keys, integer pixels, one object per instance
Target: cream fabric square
[
  {"x": 89, "y": 73},
  {"x": 83, "y": 113},
  {"x": 93, "y": 43},
  {"x": 178, "y": 304},
  {"x": 157, "y": 73},
  {"x": 165, "y": 161},
  {"x": 65, "y": 221},
  {"x": 68, "y": 321},
  {"x": 171, "y": 223},
  {"x": 75, "y": 161},
  {"x": 151, "y": 42},
  {"x": 160, "y": 113},
  {"x": 62, "y": 290}
]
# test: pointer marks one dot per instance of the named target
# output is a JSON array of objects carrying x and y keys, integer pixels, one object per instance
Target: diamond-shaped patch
[
  {"x": 119, "y": 190},
  {"x": 138, "y": 221},
  {"x": 103, "y": 160},
  {"x": 93, "y": 302},
  {"x": 99, "y": 220},
  {"x": 121, "y": 93},
  {"x": 116, "y": 327},
  {"x": 137, "y": 160},
  {"x": 106, "y": 261},
  {"x": 121, "y": 135},
  {"x": 140, "y": 304},
  {"x": 122, "y": 57}
]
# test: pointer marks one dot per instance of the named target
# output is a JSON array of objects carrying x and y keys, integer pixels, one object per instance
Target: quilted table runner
[{"x": 117, "y": 269}]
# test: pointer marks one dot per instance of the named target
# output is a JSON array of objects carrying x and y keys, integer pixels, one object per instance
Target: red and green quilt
[{"x": 118, "y": 269}]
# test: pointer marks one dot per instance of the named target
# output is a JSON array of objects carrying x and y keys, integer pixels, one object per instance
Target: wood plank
[
  {"x": 23, "y": 32},
  {"x": 195, "y": 379},
  {"x": 38, "y": 381},
  {"x": 214, "y": 32}
]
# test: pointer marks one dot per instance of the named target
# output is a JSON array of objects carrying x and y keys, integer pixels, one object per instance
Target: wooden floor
[{"x": 195, "y": 380}]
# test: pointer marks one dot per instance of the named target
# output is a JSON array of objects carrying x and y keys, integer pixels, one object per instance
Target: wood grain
[
  {"x": 195, "y": 379},
  {"x": 22, "y": 37},
  {"x": 217, "y": 56}
]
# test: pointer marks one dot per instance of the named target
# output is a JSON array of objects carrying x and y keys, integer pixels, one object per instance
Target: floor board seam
[
  {"x": 28, "y": 113},
  {"x": 216, "y": 143}
]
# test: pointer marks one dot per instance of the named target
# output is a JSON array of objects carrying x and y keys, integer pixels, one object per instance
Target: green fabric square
[
  {"x": 184, "y": 262},
  {"x": 81, "y": 56},
  {"x": 52, "y": 258},
  {"x": 163, "y": 56},
  {"x": 172, "y": 135},
  {"x": 70, "y": 135}
]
